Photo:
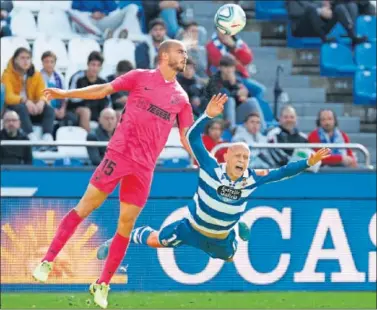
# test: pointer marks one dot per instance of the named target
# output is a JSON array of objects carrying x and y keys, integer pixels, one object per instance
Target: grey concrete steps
[
  {"x": 367, "y": 139},
  {"x": 312, "y": 109},
  {"x": 268, "y": 66},
  {"x": 300, "y": 95},
  {"x": 346, "y": 123},
  {"x": 289, "y": 81}
]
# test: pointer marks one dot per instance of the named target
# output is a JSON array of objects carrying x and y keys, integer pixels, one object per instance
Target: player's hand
[
  {"x": 216, "y": 105},
  {"x": 318, "y": 156},
  {"x": 54, "y": 93}
]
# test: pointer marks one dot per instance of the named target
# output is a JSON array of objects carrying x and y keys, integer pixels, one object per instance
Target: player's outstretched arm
[
  {"x": 90, "y": 92},
  {"x": 291, "y": 169},
  {"x": 194, "y": 134}
]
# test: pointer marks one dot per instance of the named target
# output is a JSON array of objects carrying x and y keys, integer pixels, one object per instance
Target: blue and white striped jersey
[{"x": 219, "y": 202}]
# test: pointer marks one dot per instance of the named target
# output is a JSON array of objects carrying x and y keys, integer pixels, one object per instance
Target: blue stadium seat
[
  {"x": 270, "y": 10},
  {"x": 297, "y": 42},
  {"x": 312, "y": 42},
  {"x": 366, "y": 56},
  {"x": 366, "y": 26},
  {"x": 365, "y": 87},
  {"x": 337, "y": 60},
  {"x": 67, "y": 162},
  {"x": 39, "y": 162}
]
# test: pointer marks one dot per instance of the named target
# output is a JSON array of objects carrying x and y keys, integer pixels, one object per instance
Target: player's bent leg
[{"x": 91, "y": 200}]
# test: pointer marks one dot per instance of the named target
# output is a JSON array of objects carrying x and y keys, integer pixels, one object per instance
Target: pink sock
[
  {"x": 65, "y": 230},
  {"x": 117, "y": 251}
]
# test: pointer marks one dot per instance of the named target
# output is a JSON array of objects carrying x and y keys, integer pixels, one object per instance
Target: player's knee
[
  {"x": 92, "y": 199},
  {"x": 127, "y": 218}
]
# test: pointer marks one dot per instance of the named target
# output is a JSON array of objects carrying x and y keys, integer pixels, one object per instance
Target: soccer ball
[{"x": 230, "y": 19}]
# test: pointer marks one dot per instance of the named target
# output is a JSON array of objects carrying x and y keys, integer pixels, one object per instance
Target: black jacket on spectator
[
  {"x": 280, "y": 135},
  {"x": 366, "y": 8},
  {"x": 15, "y": 155},
  {"x": 79, "y": 80},
  {"x": 96, "y": 154},
  {"x": 193, "y": 89},
  {"x": 191, "y": 86},
  {"x": 216, "y": 85},
  {"x": 115, "y": 96}
]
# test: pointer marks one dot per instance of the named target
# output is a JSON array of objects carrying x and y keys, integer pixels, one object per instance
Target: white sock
[
  {"x": 47, "y": 137},
  {"x": 32, "y": 136}
]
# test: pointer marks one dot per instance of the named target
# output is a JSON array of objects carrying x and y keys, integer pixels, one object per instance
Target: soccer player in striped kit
[{"x": 221, "y": 197}]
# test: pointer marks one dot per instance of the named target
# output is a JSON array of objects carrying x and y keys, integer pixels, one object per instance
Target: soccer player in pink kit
[{"x": 155, "y": 102}]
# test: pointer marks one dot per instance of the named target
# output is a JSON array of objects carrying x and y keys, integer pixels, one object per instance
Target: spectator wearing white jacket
[{"x": 250, "y": 133}]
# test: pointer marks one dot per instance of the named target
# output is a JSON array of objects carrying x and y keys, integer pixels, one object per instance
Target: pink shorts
[{"x": 135, "y": 180}]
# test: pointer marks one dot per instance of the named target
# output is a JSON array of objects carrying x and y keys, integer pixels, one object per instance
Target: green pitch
[{"x": 255, "y": 300}]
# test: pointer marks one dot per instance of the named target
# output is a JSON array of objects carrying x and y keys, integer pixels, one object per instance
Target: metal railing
[
  {"x": 352, "y": 146},
  {"x": 63, "y": 143}
]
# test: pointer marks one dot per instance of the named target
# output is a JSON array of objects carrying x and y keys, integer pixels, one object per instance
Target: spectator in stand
[
  {"x": 24, "y": 94},
  {"x": 366, "y": 7},
  {"x": 190, "y": 37},
  {"x": 328, "y": 132},
  {"x": 119, "y": 99},
  {"x": 286, "y": 132},
  {"x": 250, "y": 133},
  {"x": 104, "y": 131},
  {"x": 317, "y": 18},
  {"x": 88, "y": 110},
  {"x": 239, "y": 103},
  {"x": 146, "y": 52},
  {"x": 192, "y": 86},
  {"x": 103, "y": 18},
  {"x": 5, "y": 7},
  {"x": 169, "y": 11},
  {"x": 212, "y": 137},
  {"x": 14, "y": 155},
  {"x": 221, "y": 45},
  {"x": 53, "y": 78}
]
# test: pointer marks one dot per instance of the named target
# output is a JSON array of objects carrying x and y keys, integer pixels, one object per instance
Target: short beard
[
  {"x": 12, "y": 133},
  {"x": 175, "y": 67}
]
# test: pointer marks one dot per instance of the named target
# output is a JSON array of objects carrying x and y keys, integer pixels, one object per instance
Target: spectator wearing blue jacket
[
  {"x": 6, "y": 8},
  {"x": 146, "y": 52},
  {"x": 103, "y": 18}
]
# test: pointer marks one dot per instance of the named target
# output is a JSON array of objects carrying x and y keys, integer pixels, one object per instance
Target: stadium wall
[{"x": 311, "y": 232}]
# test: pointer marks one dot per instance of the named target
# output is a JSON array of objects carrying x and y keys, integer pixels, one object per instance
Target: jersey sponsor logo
[
  {"x": 159, "y": 112},
  {"x": 149, "y": 107},
  {"x": 228, "y": 193}
]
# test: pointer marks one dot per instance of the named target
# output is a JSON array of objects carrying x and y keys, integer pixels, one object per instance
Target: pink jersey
[{"x": 153, "y": 106}]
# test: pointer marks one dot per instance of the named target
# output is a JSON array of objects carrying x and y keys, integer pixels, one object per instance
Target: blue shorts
[{"x": 181, "y": 233}]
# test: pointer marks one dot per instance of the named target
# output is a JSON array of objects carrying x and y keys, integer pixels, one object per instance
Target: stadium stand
[
  {"x": 47, "y": 27},
  {"x": 337, "y": 60}
]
